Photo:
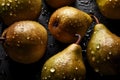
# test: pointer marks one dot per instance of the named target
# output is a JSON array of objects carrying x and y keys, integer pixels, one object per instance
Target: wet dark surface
[{"x": 10, "y": 70}]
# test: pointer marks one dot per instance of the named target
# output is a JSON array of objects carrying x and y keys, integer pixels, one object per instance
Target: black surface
[{"x": 10, "y": 70}]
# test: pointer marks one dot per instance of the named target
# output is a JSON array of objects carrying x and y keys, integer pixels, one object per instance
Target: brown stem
[
  {"x": 79, "y": 38},
  {"x": 96, "y": 19},
  {"x": 2, "y": 39}
]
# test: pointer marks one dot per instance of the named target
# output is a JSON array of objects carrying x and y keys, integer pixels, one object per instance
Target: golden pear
[
  {"x": 25, "y": 41},
  {"x": 67, "y": 21}
]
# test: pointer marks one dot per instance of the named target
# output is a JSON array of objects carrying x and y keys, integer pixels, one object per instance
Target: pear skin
[
  {"x": 67, "y": 21},
  {"x": 25, "y": 41},
  {"x": 103, "y": 51},
  {"x": 109, "y": 8},
  {"x": 66, "y": 65},
  {"x": 16, "y": 10}
]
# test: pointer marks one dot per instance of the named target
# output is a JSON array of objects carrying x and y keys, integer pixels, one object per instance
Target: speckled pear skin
[
  {"x": 25, "y": 41},
  {"x": 103, "y": 51},
  {"x": 109, "y": 8},
  {"x": 65, "y": 65},
  {"x": 17, "y": 10},
  {"x": 67, "y": 21}
]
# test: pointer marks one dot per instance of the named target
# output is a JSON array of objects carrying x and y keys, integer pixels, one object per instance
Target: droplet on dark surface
[{"x": 51, "y": 45}]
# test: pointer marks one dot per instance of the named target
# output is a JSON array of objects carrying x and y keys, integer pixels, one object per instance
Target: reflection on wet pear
[
  {"x": 59, "y": 3},
  {"x": 67, "y": 21},
  {"x": 66, "y": 65},
  {"x": 16, "y": 10},
  {"x": 103, "y": 51},
  {"x": 25, "y": 41},
  {"x": 109, "y": 8}
]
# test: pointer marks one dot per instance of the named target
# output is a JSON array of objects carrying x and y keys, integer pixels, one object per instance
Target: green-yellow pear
[
  {"x": 103, "y": 51},
  {"x": 66, "y": 65},
  {"x": 25, "y": 41},
  {"x": 109, "y": 8},
  {"x": 67, "y": 21},
  {"x": 17, "y": 10}
]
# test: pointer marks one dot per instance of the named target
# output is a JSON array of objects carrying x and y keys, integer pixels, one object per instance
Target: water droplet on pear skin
[
  {"x": 98, "y": 46},
  {"x": 96, "y": 70},
  {"x": 52, "y": 70}
]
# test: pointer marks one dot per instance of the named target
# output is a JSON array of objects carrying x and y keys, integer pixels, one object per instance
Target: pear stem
[
  {"x": 96, "y": 19},
  {"x": 79, "y": 38},
  {"x": 2, "y": 39}
]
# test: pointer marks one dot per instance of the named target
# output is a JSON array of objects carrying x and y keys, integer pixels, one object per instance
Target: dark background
[{"x": 10, "y": 70}]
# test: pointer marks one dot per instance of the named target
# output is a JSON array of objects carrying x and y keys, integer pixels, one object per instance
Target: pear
[
  {"x": 103, "y": 51},
  {"x": 65, "y": 65},
  {"x": 17, "y": 10},
  {"x": 109, "y": 8},
  {"x": 25, "y": 41},
  {"x": 59, "y": 3},
  {"x": 67, "y": 21}
]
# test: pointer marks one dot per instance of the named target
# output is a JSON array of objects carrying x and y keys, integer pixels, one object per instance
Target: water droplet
[
  {"x": 29, "y": 1},
  {"x": 7, "y": 37},
  {"x": 108, "y": 57},
  {"x": 11, "y": 13},
  {"x": 45, "y": 78},
  {"x": 93, "y": 59},
  {"x": 3, "y": 4},
  {"x": 98, "y": 47},
  {"x": 8, "y": 4},
  {"x": 13, "y": 37},
  {"x": 47, "y": 21},
  {"x": 96, "y": 70},
  {"x": 92, "y": 52},
  {"x": 18, "y": 41},
  {"x": 45, "y": 67},
  {"x": 16, "y": 5},
  {"x": 76, "y": 68},
  {"x": 110, "y": 53},
  {"x": 52, "y": 70},
  {"x": 28, "y": 37},
  {"x": 44, "y": 12},
  {"x": 18, "y": 2},
  {"x": 10, "y": 0},
  {"x": 41, "y": 42},
  {"x": 58, "y": 17},
  {"x": 74, "y": 78},
  {"x": 51, "y": 45},
  {"x": 18, "y": 45}
]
